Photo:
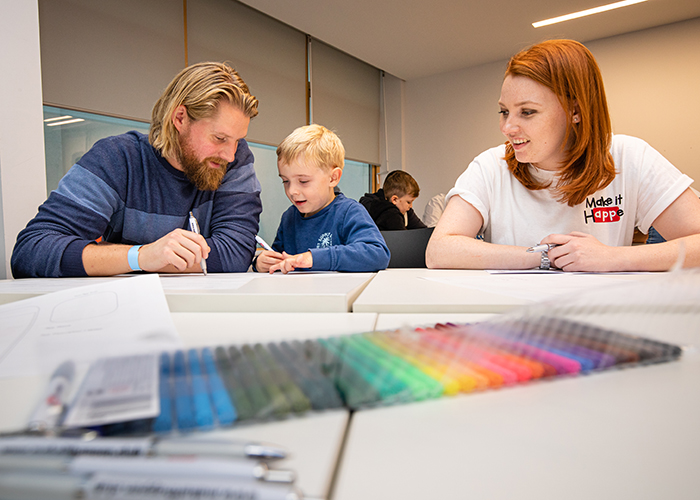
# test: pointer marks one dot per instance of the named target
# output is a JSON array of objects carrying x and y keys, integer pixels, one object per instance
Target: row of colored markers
[{"x": 204, "y": 388}]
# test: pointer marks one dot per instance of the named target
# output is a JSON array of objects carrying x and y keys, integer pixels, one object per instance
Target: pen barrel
[
  {"x": 170, "y": 466},
  {"x": 194, "y": 225},
  {"x": 28, "y": 463},
  {"x": 202, "y": 448},
  {"x": 31, "y": 446},
  {"x": 28, "y": 486},
  {"x": 33, "y": 486}
]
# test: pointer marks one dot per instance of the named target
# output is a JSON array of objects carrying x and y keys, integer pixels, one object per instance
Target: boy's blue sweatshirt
[{"x": 341, "y": 237}]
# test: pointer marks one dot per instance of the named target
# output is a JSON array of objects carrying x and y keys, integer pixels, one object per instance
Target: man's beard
[{"x": 199, "y": 172}]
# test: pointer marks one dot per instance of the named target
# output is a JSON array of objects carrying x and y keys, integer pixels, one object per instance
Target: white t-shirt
[
  {"x": 433, "y": 210},
  {"x": 645, "y": 185}
]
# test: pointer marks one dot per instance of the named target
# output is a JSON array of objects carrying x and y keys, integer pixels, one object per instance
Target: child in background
[
  {"x": 391, "y": 207},
  {"x": 322, "y": 231}
]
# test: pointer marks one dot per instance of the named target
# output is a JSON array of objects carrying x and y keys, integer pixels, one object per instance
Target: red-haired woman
[{"x": 564, "y": 179}]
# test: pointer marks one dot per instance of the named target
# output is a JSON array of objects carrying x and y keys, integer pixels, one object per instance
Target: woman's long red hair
[{"x": 569, "y": 70}]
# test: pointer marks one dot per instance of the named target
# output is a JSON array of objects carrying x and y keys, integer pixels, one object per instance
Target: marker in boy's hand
[
  {"x": 322, "y": 230},
  {"x": 291, "y": 262}
]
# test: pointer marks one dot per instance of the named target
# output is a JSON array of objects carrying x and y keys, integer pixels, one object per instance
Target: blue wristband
[{"x": 133, "y": 257}]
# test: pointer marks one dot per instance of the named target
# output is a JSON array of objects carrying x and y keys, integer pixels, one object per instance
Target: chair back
[{"x": 407, "y": 247}]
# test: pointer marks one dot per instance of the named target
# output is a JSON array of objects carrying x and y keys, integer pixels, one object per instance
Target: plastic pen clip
[
  {"x": 194, "y": 227},
  {"x": 544, "y": 247}
]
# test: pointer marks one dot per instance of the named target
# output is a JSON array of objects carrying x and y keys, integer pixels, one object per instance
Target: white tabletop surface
[
  {"x": 234, "y": 292},
  {"x": 460, "y": 291},
  {"x": 313, "y": 441},
  {"x": 628, "y": 433}
]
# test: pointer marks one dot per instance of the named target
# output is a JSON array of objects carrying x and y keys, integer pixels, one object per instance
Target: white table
[
  {"x": 241, "y": 292},
  {"x": 313, "y": 441},
  {"x": 460, "y": 291},
  {"x": 630, "y": 433}
]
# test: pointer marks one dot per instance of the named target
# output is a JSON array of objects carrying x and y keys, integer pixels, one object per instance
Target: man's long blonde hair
[{"x": 199, "y": 88}]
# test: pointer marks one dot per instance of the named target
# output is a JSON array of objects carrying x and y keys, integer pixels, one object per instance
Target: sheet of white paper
[
  {"x": 170, "y": 282},
  {"x": 528, "y": 287},
  {"x": 39, "y": 286},
  {"x": 113, "y": 318}
]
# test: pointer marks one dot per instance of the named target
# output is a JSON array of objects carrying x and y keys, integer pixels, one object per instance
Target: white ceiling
[{"x": 416, "y": 38}]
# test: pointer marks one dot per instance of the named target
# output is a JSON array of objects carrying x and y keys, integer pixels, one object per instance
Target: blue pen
[
  {"x": 202, "y": 408},
  {"x": 164, "y": 421},
  {"x": 225, "y": 411},
  {"x": 184, "y": 405}
]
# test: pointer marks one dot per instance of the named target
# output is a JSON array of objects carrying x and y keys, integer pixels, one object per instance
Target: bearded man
[{"x": 134, "y": 193}]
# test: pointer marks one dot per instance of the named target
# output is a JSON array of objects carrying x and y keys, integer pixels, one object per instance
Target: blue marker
[
  {"x": 184, "y": 405},
  {"x": 202, "y": 408},
  {"x": 225, "y": 411},
  {"x": 164, "y": 421}
]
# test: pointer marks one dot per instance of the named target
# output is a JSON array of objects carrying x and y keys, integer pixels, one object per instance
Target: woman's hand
[{"x": 581, "y": 252}]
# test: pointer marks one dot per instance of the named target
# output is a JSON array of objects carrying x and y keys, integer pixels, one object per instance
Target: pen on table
[
  {"x": 138, "y": 446},
  {"x": 41, "y": 486},
  {"x": 170, "y": 466},
  {"x": 147, "y": 446},
  {"x": 194, "y": 227},
  {"x": 544, "y": 247},
  {"x": 263, "y": 243}
]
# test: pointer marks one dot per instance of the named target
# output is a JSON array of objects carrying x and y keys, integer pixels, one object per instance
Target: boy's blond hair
[
  {"x": 400, "y": 183},
  {"x": 313, "y": 143}
]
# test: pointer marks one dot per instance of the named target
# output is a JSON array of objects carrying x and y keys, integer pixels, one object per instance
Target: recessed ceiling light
[
  {"x": 64, "y": 117},
  {"x": 65, "y": 122},
  {"x": 588, "y": 12}
]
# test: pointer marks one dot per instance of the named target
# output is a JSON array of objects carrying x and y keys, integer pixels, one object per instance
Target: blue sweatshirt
[
  {"x": 341, "y": 237},
  {"x": 124, "y": 191}
]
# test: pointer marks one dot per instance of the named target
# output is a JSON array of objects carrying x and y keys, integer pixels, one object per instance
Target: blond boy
[{"x": 322, "y": 230}]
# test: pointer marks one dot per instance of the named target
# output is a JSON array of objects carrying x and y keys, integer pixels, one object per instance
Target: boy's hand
[
  {"x": 292, "y": 262},
  {"x": 266, "y": 259}
]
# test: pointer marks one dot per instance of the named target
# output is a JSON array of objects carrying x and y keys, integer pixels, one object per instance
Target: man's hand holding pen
[{"x": 178, "y": 251}]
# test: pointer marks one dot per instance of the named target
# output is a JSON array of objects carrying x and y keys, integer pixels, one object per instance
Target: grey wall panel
[
  {"x": 111, "y": 57},
  {"x": 269, "y": 56}
]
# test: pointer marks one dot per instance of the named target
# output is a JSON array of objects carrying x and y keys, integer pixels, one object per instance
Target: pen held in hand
[
  {"x": 263, "y": 243},
  {"x": 544, "y": 247},
  {"x": 194, "y": 227}
]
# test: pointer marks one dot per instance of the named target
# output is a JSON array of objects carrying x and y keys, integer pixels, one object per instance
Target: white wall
[
  {"x": 652, "y": 83},
  {"x": 22, "y": 171}
]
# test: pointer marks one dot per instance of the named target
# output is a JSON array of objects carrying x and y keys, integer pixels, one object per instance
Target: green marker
[
  {"x": 279, "y": 405},
  {"x": 259, "y": 399},
  {"x": 300, "y": 374},
  {"x": 283, "y": 379},
  {"x": 422, "y": 385},
  {"x": 243, "y": 406},
  {"x": 387, "y": 387},
  {"x": 329, "y": 394}
]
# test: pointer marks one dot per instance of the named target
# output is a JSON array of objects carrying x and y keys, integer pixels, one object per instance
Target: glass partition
[{"x": 69, "y": 134}]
